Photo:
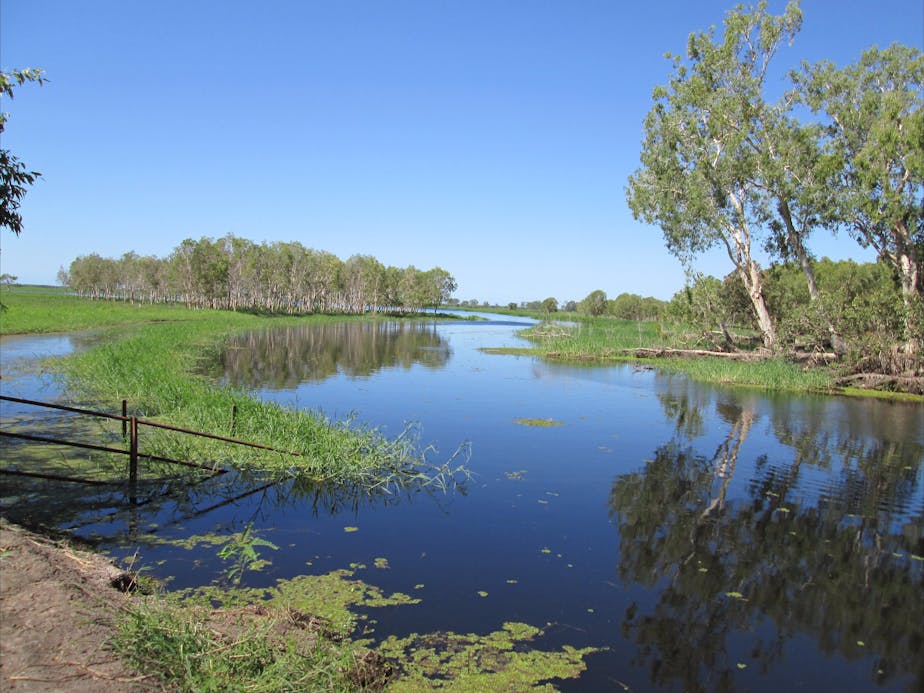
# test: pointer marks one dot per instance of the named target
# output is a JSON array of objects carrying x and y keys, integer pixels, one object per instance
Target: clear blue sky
[{"x": 492, "y": 138}]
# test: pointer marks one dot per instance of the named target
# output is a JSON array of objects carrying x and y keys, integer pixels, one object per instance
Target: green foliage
[
  {"x": 240, "y": 550},
  {"x": 236, "y": 274},
  {"x": 634, "y": 307},
  {"x": 594, "y": 303},
  {"x": 860, "y": 301},
  {"x": 711, "y": 302},
  {"x": 875, "y": 138},
  {"x": 14, "y": 176},
  {"x": 706, "y": 140}
]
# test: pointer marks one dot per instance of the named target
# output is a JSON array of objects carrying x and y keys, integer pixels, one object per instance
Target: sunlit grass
[
  {"x": 189, "y": 653},
  {"x": 153, "y": 368},
  {"x": 30, "y": 311},
  {"x": 605, "y": 337},
  {"x": 772, "y": 374},
  {"x": 614, "y": 339},
  {"x": 150, "y": 357}
]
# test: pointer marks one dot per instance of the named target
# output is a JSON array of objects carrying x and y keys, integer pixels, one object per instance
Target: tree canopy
[
  {"x": 721, "y": 165},
  {"x": 874, "y": 135},
  {"x": 14, "y": 176},
  {"x": 705, "y": 140},
  {"x": 237, "y": 274}
]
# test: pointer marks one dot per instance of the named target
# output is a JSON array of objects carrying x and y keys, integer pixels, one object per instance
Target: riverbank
[
  {"x": 681, "y": 349},
  {"x": 58, "y": 611},
  {"x": 152, "y": 357}
]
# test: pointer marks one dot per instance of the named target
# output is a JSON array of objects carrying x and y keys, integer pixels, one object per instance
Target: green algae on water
[
  {"x": 538, "y": 423},
  {"x": 329, "y": 597},
  {"x": 469, "y": 662}
]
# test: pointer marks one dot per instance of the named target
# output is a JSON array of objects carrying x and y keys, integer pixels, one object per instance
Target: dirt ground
[{"x": 57, "y": 610}]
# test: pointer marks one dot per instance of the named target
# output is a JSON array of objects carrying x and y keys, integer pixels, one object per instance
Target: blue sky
[{"x": 493, "y": 139}]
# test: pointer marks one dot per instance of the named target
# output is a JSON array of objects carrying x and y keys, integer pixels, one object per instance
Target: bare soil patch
[{"x": 58, "y": 608}]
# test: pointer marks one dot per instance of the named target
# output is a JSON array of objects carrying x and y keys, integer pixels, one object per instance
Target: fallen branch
[
  {"x": 880, "y": 381},
  {"x": 645, "y": 353}
]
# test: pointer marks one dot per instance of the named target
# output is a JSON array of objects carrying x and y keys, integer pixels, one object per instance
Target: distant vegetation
[
  {"x": 861, "y": 303},
  {"x": 236, "y": 274}
]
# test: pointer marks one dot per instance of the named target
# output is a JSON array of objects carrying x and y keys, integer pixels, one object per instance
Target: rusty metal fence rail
[{"x": 130, "y": 426}]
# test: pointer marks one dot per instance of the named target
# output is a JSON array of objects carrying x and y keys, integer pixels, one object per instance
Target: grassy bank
[
  {"x": 150, "y": 355},
  {"x": 29, "y": 310},
  {"x": 611, "y": 339}
]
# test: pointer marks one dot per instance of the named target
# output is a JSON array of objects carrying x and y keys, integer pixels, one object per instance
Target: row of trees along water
[
  {"x": 859, "y": 302},
  {"x": 236, "y": 274}
]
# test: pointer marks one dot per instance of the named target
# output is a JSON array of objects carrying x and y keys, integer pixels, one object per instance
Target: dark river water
[{"x": 708, "y": 538}]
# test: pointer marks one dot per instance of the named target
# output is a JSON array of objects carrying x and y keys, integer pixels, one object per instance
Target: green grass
[
  {"x": 150, "y": 357},
  {"x": 293, "y": 637},
  {"x": 614, "y": 339},
  {"x": 605, "y": 337},
  {"x": 187, "y": 652},
  {"x": 153, "y": 368},
  {"x": 29, "y": 311},
  {"x": 771, "y": 374}
]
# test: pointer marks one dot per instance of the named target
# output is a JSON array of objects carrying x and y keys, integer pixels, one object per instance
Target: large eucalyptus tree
[
  {"x": 875, "y": 129},
  {"x": 706, "y": 145}
]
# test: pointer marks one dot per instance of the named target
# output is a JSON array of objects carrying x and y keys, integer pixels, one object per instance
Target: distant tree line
[{"x": 236, "y": 274}]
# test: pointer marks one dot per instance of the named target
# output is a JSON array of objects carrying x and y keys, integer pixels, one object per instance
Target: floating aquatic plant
[
  {"x": 469, "y": 662},
  {"x": 539, "y": 423}
]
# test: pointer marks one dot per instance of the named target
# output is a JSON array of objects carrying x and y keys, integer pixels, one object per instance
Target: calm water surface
[{"x": 710, "y": 539}]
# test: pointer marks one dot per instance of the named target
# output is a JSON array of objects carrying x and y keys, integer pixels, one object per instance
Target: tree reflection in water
[
  {"x": 739, "y": 577},
  {"x": 284, "y": 357}
]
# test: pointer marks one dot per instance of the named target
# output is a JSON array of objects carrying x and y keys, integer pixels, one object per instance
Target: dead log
[
  {"x": 646, "y": 353},
  {"x": 881, "y": 381}
]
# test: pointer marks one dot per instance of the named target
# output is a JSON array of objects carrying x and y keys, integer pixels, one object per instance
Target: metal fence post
[
  {"x": 133, "y": 452},
  {"x": 124, "y": 421}
]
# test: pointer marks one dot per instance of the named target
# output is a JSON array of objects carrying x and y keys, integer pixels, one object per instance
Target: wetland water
[{"x": 708, "y": 538}]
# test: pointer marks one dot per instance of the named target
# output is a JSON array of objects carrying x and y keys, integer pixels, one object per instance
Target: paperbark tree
[
  {"x": 700, "y": 178},
  {"x": 876, "y": 134}
]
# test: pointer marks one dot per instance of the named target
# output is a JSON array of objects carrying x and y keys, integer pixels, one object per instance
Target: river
[{"x": 706, "y": 538}]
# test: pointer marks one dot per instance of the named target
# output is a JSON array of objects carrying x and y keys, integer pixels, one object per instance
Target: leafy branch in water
[{"x": 240, "y": 549}]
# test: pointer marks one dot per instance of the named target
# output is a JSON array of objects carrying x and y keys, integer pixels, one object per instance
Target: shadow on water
[
  {"x": 838, "y": 560},
  {"x": 117, "y": 513}
]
